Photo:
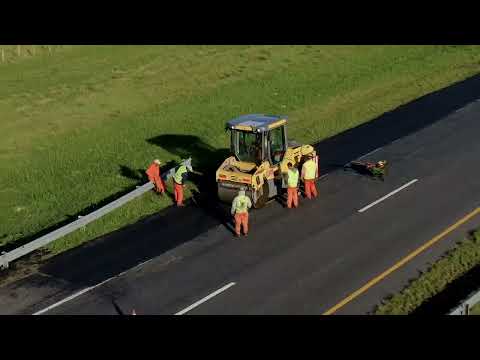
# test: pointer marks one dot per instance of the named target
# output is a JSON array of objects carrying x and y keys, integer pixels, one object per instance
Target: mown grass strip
[
  {"x": 456, "y": 262},
  {"x": 475, "y": 310}
]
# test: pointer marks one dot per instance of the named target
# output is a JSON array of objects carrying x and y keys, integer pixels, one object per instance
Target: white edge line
[
  {"x": 71, "y": 297},
  {"x": 201, "y": 301},
  {"x": 387, "y": 196},
  {"x": 81, "y": 292}
]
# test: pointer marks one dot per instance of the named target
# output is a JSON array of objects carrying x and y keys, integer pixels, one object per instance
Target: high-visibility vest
[
  {"x": 292, "y": 180},
  {"x": 241, "y": 203},
  {"x": 178, "y": 174},
  {"x": 310, "y": 168}
]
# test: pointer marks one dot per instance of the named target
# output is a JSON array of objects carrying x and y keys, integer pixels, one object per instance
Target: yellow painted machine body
[{"x": 260, "y": 157}]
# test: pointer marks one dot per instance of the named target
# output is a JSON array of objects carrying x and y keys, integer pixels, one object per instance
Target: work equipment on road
[
  {"x": 260, "y": 157},
  {"x": 240, "y": 205},
  {"x": 153, "y": 173},
  {"x": 376, "y": 170}
]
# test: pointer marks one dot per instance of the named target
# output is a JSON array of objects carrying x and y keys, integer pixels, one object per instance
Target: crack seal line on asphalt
[
  {"x": 206, "y": 298},
  {"x": 81, "y": 292},
  {"x": 361, "y": 157},
  {"x": 369, "y": 153},
  {"x": 387, "y": 196},
  {"x": 402, "y": 262}
]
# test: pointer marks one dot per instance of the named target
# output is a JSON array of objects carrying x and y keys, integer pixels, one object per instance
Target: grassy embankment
[
  {"x": 464, "y": 257},
  {"x": 78, "y": 125}
]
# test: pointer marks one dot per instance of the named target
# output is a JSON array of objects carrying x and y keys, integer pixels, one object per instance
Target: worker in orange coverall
[
  {"x": 309, "y": 174},
  {"x": 153, "y": 173},
  {"x": 292, "y": 189}
]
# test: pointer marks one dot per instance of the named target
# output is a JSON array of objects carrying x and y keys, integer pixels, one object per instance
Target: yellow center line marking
[{"x": 401, "y": 262}]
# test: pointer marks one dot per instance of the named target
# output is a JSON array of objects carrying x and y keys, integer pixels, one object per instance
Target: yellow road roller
[{"x": 260, "y": 153}]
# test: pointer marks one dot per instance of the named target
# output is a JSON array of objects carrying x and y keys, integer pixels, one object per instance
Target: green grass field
[
  {"x": 464, "y": 257},
  {"x": 17, "y": 53},
  {"x": 78, "y": 124},
  {"x": 475, "y": 310}
]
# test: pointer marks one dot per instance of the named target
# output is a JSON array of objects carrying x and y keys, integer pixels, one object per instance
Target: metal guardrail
[
  {"x": 467, "y": 304},
  {"x": 16, "y": 253}
]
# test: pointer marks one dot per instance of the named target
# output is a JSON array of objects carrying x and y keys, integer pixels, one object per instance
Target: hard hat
[{"x": 156, "y": 161}]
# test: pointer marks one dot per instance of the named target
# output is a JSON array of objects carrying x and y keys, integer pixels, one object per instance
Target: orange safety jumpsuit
[
  {"x": 179, "y": 182},
  {"x": 240, "y": 206},
  {"x": 292, "y": 190},
  {"x": 309, "y": 173},
  {"x": 153, "y": 173}
]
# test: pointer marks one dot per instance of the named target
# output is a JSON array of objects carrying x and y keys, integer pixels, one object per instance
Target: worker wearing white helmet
[
  {"x": 309, "y": 175},
  {"x": 153, "y": 173},
  {"x": 179, "y": 179},
  {"x": 240, "y": 205},
  {"x": 292, "y": 186}
]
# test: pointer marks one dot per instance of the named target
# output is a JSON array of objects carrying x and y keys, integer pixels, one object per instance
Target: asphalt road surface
[{"x": 339, "y": 254}]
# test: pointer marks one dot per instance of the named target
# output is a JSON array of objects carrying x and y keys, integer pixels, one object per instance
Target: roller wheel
[{"x": 226, "y": 195}]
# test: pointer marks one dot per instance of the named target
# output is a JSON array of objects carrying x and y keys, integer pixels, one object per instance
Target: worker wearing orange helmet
[
  {"x": 153, "y": 173},
  {"x": 309, "y": 174}
]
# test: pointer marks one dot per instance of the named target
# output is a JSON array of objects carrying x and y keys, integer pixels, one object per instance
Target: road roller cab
[{"x": 260, "y": 155}]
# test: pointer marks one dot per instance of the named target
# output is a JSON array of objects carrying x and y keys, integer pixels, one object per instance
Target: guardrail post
[{"x": 467, "y": 309}]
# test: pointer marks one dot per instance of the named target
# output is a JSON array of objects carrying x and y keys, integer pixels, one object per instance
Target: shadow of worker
[{"x": 138, "y": 175}]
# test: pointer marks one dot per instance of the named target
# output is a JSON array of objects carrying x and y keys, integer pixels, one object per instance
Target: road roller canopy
[
  {"x": 256, "y": 122},
  {"x": 256, "y": 138}
]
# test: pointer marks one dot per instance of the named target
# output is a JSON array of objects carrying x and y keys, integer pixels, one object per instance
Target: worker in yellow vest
[
  {"x": 292, "y": 183},
  {"x": 309, "y": 174},
  {"x": 240, "y": 205},
  {"x": 179, "y": 178}
]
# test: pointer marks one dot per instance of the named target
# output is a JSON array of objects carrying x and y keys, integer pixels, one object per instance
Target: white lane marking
[
  {"x": 81, "y": 292},
  {"x": 387, "y": 196},
  {"x": 370, "y": 153},
  {"x": 71, "y": 297},
  {"x": 215, "y": 293}
]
